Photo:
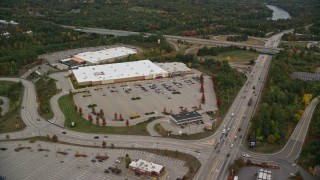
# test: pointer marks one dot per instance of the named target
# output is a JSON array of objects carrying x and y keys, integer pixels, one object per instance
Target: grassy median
[{"x": 67, "y": 106}]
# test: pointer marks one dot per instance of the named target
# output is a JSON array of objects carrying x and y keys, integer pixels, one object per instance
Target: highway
[
  {"x": 261, "y": 49},
  {"x": 215, "y": 157}
]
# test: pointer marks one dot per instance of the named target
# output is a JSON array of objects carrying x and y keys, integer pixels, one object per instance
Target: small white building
[
  {"x": 105, "y": 55},
  {"x": 146, "y": 168}
]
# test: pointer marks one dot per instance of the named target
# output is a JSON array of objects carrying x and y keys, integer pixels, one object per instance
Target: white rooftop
[
  {"x": 174, "y": 67},
  {"x": 105, "y": 54},
  {"x": 146, "y": 166},
  {"x": 117, "y": 71}
]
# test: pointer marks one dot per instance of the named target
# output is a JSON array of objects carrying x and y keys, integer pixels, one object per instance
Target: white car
[
  {"x": 224, "y": 131},
  {"x": 231, "y": 146},
  {"x": 245, "y": 155}
]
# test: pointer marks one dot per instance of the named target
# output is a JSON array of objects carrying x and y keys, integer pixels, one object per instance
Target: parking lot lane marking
[
  {"x": 21, "y": 163},
  {"x": 68, "y": 165},
  {"x": 82, "y": 173},
  {"x": 39, "y": 169}
]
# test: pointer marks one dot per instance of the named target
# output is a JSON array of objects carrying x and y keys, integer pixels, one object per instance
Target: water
[{"x": 278, "y": 13}]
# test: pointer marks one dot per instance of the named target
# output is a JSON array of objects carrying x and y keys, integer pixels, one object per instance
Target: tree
[
  {"x": 115, "y": 115},
  {"x": 90, "y": 118},
  {"x": 112, "y": 146},
  {"x": 164, "y": 110},
  {"x": 127, "y": 122},
  {"x": 120, "y": 117},
  {"x": 101, "y": 114},
  {"x": 297, "y": 117},
  {"x": 48, "y": 137},
  {"x": 306, "y": 99},
  {"x": 97, "y": 120},
  {"x": 202, "y": 88},
  {"x": 93, "y": 110},
  {"x": 54, "y": 139},
  {"x": 104, "y": 122},
  {"x": 80, "y": 111},
  {"x": 76, "y": 107},
  {"x": 7, "y": 136},
  {"x": 201, "y": 78},
  {"x": 271, "y": 139},
  {"x": 249, "y": 162},
  {"x": 104, "y": 144},
  {"x": 203, "y": 98}
]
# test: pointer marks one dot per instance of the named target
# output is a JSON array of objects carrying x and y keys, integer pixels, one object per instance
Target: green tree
[
  {"x": 104, "y": 144},
  {"x": 54, "y": 139}
]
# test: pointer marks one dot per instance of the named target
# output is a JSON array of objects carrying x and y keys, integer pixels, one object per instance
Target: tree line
[
  {"x": 214, "y": 51},
  {"x": 240, "y": 38}
]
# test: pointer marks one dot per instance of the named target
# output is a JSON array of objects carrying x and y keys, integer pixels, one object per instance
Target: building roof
[
  {"x": 186, "y": 116},
  {"x": 173, "y": 67},
  {"x": 117, "y": 71},
  {"x": 146, "y": 166},
  {"x": 105, "y": 54}
]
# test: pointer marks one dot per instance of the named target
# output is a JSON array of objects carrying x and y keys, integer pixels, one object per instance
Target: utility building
[{"x": 146, "y": 168}]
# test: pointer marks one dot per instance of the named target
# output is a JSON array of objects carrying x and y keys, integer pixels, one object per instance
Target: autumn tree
[
  {"x": 97, "y": 120},
  {"x": 127, "y": 122},
  {"x": 202, "y": 88},
  {"x": 104, "y": 122},
  {"x": 120, "y": 117},
  {"x": 306, "y": 99},
  {"x": 90, "y": 118},
  {"x": 115, "y": 115},
  {"x": 271, "y": 139},
  {"x": 203, "y": 98}
]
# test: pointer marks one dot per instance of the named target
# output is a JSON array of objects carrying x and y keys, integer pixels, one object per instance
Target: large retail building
[{"x": 125, "y": 72}]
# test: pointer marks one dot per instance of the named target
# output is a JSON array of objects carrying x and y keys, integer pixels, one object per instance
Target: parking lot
[
  {"x": 32, "y": 164},
  {"x": 152, "y": 96}
]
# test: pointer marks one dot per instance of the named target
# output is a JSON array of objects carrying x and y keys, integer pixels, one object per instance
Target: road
[{"x": 211, "y": 154}]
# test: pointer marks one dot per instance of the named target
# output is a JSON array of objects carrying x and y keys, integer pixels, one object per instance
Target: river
[{"x": 278, "y": 13}]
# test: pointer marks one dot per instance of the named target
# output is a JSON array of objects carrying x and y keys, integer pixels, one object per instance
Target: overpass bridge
[{"x": 260, "y": 49}]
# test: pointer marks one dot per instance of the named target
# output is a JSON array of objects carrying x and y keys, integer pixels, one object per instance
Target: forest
[
  {"x": 284, "y": 99},
  {"x": 183, "y": 17}
]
